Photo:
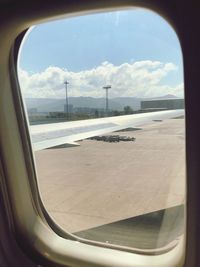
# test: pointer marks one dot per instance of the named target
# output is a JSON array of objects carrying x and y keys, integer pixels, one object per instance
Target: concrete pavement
[{"x": 99, "y": 183}]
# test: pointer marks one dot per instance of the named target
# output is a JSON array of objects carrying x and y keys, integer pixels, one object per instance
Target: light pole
[
  {"x": 107, "y": 87},
  {"x": 67, "y": 104}
]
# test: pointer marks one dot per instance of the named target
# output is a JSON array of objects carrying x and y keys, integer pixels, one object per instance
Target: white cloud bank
[{"x": 137, "y": 79}]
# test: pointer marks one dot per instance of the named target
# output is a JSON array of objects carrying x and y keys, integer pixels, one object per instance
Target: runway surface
[
  {"x": 99, "y": 185},
  {"x": 152, "y": 230}
]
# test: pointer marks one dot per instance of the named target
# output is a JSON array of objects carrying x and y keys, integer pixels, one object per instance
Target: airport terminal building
[{"x": 162, "y": 104}]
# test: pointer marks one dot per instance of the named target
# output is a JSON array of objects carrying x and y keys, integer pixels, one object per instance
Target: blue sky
[{"x": 84, "y": 43}]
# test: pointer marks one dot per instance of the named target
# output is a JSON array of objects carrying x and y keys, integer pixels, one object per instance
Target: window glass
[{"x": 105, "y": 103}]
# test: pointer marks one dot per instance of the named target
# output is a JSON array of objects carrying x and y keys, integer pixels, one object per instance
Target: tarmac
[
  {"x": 151, "y": 231},
  {"x": 99, "y": 186}
]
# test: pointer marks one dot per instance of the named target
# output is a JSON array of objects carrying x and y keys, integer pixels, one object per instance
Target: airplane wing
[{"x": 56, "y": 134}]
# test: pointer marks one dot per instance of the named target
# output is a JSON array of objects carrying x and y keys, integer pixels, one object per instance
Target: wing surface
[{"x": 56, "y": 134}]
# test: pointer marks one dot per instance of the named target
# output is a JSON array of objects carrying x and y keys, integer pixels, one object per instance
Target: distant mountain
[
  {"x": 169, "y": 96},
  {"x": 117, "y": 103},
  {"x": 52, "y": 105}
]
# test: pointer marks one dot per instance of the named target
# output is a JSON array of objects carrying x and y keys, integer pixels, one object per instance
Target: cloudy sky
[{"x": 136, "y": 52}]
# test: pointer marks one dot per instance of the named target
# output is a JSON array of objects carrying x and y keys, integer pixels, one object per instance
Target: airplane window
[{"x": 105, "y": 102}]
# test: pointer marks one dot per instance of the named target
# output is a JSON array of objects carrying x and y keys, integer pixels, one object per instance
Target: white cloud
[{"x": 138, "y": 79}]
